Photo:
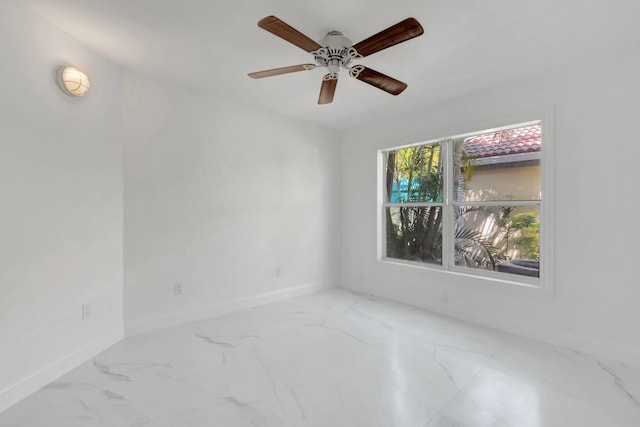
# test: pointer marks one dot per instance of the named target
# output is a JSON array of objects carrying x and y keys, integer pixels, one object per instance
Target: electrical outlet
[
  {"x": 177, "y": 288},
  {"x": 86, "y": 310},
  {"x": 278, "y": 271}
]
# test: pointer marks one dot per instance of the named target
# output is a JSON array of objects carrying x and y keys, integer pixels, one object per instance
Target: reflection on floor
[{"x": 335, "y": 359}]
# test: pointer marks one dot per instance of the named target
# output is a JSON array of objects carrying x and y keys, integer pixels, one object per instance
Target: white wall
[
  {"x": 596, "y": 209},
  {"x": 217, "y": 197},
  {"x": 61, "y": 205}
]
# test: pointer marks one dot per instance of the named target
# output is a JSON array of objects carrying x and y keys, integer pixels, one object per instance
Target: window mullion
[
  {"x": 447, "y": 210},
  {"x": 411, "y": 204},
  {"x": 498, "y": 203}
]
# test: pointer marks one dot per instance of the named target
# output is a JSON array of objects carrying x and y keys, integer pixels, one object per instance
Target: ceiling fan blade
[
  {"x": 377, "y": 79},
  {"x": 398, "y": 33},
  {"x": 281, "y": 70},
  {"x": 286, "y": 32},
  {"x": 328, "y": 89}
]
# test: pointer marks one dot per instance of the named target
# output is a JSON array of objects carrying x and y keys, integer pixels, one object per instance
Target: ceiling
[{"x": 468, "y": 45}]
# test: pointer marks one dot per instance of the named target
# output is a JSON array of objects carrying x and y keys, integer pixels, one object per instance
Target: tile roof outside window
[{"x": 513, "y": 141}]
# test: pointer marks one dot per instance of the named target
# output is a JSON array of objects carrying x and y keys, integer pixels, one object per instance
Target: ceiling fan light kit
[{"x": 336, "y": 52}]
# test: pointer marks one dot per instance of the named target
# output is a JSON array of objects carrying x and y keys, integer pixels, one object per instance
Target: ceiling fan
[{"x": 336, "y": 52}]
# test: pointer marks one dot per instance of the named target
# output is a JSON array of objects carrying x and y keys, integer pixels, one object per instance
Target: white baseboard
[
  {"x": 16, "y": 392},
  {"x": 152, "y": 323},
  {"x": 587, "y": 345}
]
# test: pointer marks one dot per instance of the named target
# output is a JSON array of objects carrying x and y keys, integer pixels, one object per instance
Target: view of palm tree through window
[{"x": 491, "y": 218}]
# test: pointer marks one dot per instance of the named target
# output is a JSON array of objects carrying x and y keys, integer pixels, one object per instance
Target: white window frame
[{"x": 542, "y": 285}]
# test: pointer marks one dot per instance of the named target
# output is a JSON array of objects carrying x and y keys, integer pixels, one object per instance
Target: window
[{"x": 470, "y": 203}]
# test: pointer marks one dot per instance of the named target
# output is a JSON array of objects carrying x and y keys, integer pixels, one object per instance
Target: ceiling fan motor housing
[{"x": 336, "y": 52}]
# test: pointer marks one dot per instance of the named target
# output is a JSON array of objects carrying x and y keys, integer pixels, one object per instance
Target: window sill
[{"x": 511, "y": 283}]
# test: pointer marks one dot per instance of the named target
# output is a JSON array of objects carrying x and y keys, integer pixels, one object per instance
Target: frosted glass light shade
[{"x": 72, "y": 81}]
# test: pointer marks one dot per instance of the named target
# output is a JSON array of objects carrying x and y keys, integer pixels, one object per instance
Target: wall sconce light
[{"x": 73, "y": 82}]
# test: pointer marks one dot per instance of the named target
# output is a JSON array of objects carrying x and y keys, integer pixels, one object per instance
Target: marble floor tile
[{"x": 335, "y": 359}]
